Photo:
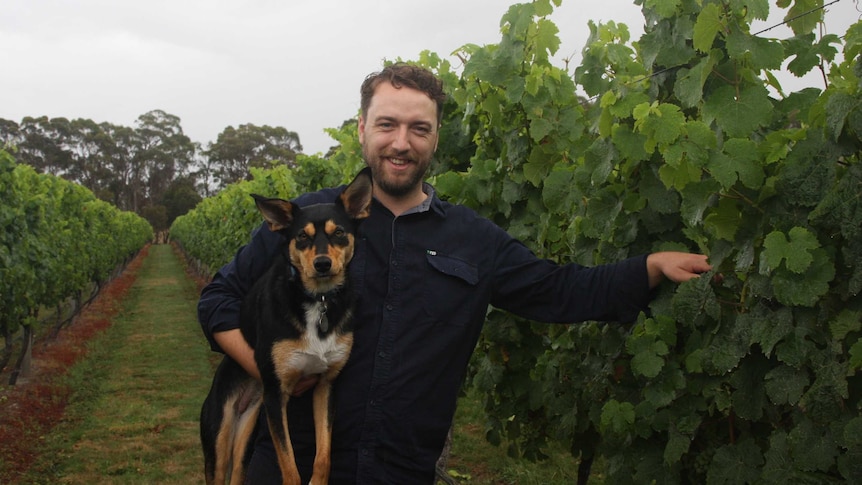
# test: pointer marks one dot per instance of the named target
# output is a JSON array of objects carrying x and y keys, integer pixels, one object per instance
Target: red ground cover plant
[{"x": 30, "y": 409}]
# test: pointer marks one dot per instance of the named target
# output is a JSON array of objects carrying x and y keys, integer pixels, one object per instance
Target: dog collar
[{"x": 323, "y": 321}]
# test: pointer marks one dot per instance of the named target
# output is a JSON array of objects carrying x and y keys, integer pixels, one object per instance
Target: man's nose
[{"x": 402, "y": 140}]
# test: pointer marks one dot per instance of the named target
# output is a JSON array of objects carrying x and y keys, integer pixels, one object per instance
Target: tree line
[{"x": 152, "y": 168}]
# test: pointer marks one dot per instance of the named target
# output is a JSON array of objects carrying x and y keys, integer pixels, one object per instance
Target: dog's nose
[{"x": 322, "y": 264}]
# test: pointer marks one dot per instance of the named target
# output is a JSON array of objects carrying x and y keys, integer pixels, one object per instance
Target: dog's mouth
[{"x": 325, "y": 276}]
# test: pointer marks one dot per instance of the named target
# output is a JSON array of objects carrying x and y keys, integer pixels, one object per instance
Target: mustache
[{"x": 403, "y": 154}]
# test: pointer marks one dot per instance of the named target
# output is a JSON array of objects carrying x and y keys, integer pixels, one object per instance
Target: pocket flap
[{"x": 453, "y": 267}]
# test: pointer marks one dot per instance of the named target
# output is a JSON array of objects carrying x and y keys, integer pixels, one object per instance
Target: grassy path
[{"x": 133, "y": 418}]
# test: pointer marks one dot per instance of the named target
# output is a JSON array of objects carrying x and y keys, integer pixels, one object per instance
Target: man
[{"x": 426, "y": 271}]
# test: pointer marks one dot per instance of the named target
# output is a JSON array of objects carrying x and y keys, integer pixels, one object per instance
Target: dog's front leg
[
  {"x": 276, "y": 414},
  {"x": 324, "y": 412},
  {"x": 323, "y": 432}
]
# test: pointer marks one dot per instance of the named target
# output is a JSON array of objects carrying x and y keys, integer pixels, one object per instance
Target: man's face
[{"x": 398, "y": 136}]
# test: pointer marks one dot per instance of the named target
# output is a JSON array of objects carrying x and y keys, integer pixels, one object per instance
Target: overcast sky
[{"x": 218, "y": 63}]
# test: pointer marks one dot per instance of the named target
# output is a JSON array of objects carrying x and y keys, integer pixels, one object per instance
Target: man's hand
[{"x": 675, "y": 266}]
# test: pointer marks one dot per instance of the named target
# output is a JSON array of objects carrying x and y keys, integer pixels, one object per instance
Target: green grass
[{"x": 134, "y": 415}]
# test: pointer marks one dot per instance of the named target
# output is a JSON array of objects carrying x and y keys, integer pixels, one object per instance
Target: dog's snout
[{"x": 322, "y": 264}]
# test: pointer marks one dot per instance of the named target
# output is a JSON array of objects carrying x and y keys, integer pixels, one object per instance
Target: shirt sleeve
[
  {"x": 221, "y": 299},
  {"x": 542, "y": 290}
]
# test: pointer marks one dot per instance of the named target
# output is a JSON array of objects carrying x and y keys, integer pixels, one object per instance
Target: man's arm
[
  {"x": 675, "y": 266},
  {"x": 235, "y": 346}
]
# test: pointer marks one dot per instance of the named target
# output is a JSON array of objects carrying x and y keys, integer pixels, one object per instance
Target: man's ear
[{"x": 361, "y": 130}]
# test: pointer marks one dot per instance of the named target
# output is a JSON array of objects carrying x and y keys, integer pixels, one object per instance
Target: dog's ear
[
  {"x": 356, "y": 198},
  {"x": 278, "y": 213}
]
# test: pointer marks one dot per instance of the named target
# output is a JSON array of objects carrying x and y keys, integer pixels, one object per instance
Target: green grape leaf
[
  {"x": 847, "y": 321},
  {"x": 696, "y": 198},
  {"x": 850, "y": 462},
  {"x": 806, "y": 288},
  {"x": 547, "y": 38},
  {"x": 665, "y": 8},
  {"x": 649, "y": 361},
  {"x": 768, "y": 327},
  {"x": 667, "y": 124},
  {"x": 668, "y": 43},
  {"x": 557, "y": 188},
  {"x": 809, "y": 171},
  {"x": 807, "y": 54},
  {"x": 693, "y": 300},
  {"x": 724, "y": 221},
  {"x": 689, "y": 82},
  {"x": 746, "y": 162},
  {"x": 540, "y": 128},
  {"x": 804, "y": 15},
  {"x": 623, "y": 107},
  {"x": 708, "y": 25},
  {"x": 795, "y": 251},
  {"x": 721, "y": 167},
  {"x": 679, "y": 176},
  {"x": 617, "y": 417},
  {"x": 749, "y": 395},
  {"x": 785, "y": 385},
  {"x": 677, "y": 445},
  {"x": 757, "y": 9},
  {"x": 759, "y": 52},
  {"x": 736, "y": 463},
  {"x": 689, "y": 86},
  {"x": 838, "y": 108},
  {"x": 814, "y": 447},
  {"x": 779, "y": 462},
  {"x": 630, "y": 145},
  {"x": 727, "y": 349},
  {"x": 738, "y": 115},
  {"x": 856, "y": 355}
]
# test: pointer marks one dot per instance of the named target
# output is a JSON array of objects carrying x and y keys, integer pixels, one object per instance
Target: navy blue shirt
[{"x": 425, "y": 280}]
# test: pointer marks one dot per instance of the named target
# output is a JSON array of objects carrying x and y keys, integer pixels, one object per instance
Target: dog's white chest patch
[{"x": 317, "y": 354}]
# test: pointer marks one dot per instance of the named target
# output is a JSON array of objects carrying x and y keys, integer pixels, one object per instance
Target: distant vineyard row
[{"x": 57, "y": 242}]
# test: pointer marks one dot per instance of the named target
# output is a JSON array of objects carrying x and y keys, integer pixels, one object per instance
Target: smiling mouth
[{"x": 397, "y": 161}]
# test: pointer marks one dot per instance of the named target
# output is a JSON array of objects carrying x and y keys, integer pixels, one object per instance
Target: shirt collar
[{"x": 430, "y": 202}]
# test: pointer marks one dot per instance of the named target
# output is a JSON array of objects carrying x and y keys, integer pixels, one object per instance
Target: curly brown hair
[{"x": 404, "y": 75}]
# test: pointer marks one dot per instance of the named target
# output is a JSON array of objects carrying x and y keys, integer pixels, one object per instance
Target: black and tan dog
[{"x": 297, "y": 317}]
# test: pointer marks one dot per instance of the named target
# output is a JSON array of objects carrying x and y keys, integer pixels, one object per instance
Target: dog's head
[{"x": 321, "y": 237}]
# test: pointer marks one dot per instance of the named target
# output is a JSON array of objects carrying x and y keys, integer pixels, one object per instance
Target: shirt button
[{"x": 389, "y": 307}]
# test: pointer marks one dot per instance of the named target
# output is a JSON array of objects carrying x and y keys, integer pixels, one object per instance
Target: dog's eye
[
  {"x": 338, "y": 232},
  {"x": 302, "y": 237}
]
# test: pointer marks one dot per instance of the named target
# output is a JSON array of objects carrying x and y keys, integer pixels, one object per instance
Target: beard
[{"x": 396, "y": 186}]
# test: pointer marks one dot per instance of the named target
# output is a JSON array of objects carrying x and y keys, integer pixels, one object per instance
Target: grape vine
[
  {"x": 57, "y": 242},
  {"x": 750, "y": 374}
]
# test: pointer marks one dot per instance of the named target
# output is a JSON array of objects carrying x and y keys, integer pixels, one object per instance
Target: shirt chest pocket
[{"x": 450, "y": 291}]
